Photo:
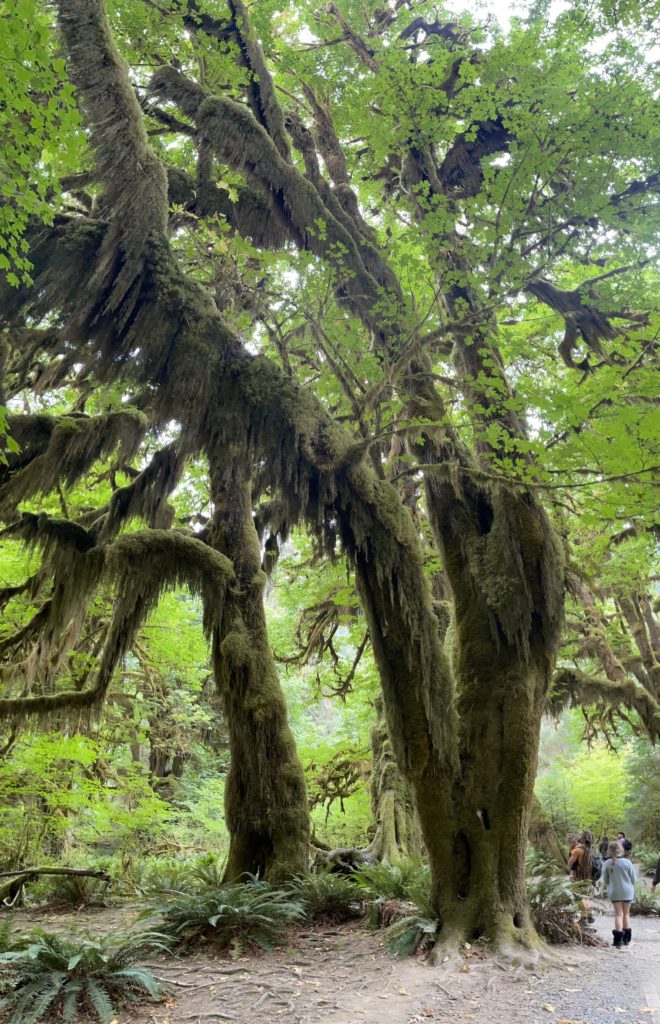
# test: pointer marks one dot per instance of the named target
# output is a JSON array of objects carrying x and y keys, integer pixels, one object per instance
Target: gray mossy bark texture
[{"x": 265, "y": 793}]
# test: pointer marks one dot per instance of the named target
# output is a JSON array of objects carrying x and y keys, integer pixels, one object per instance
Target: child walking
[{"x": 618, "y": 877}]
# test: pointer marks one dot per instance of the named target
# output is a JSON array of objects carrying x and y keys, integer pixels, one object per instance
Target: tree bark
[
  {"x": 542, "y": 835},
  {"x": 398, "y": 834},
  {"x": 265, "y": 792}
]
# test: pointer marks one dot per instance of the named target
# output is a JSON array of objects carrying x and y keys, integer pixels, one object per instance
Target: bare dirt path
[{"x": 344, "y": 975}]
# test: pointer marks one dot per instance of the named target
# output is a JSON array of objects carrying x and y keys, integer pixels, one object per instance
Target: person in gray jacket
[{"x": 618, "y": 877}]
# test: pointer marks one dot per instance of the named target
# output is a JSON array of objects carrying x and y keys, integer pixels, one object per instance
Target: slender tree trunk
[
  {"x": 265, "y": 794},
  {"x": 542, "y": 834},
  {"x": 398, "y": 833}
]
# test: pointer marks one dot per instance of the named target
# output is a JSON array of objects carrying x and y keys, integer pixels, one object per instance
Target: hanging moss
[
  {"x": 261, "y": 89},
  {"x": 133, "y": 178},
  {"x": 252, "y": 214},
  {"x": 74, "y": 444},
  {"x": 146, "y": 496},
  {"x": 572, "y": 688},
  {"x": 139, "y": 567},
  {"x": 239, "y": 140}
]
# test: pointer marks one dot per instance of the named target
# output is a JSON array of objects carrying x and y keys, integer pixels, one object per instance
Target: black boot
[
  {"x": 627, "y": 935},
  {"x": 618, "y": 938}
]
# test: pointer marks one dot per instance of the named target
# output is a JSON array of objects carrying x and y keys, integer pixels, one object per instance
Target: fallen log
[{"x": 11, "y": 891}]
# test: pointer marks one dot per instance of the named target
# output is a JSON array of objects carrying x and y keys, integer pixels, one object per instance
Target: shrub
[
  {"x": 539, "y": 863},
  {"x": 645, "y": 904},
  {"x": 402, "y": 904},
  {"x": 411, "y": 934},
  {"x": 60, "y": 978},
  {"x": 408, "y": 880},
  {"x": 646, "y": 857},
  {"x": 554, "y": 908},
  {"x": 236, "y": 916},
  {"x": 328, "y": 897},
  {"x": 182, "y": 875}
]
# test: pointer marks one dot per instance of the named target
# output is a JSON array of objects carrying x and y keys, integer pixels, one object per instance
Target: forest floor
[{"x": 344, "y": 975}]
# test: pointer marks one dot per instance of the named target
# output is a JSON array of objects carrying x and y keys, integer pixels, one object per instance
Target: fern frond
[{"x": 100, "y": 999}]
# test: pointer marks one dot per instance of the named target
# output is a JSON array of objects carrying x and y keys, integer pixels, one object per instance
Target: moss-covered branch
[
  {"x": 252, "y": 214},
  {"x": 133, "y": 179},
  {"x": 238, "y": 139},
  {"x": 138, "y": 567},
  {"x": 60, "y": 450},
  {"x": 572, "y": 688},
  {"x": 263, "y": 99},
  {"x": 582, "y": 322}
]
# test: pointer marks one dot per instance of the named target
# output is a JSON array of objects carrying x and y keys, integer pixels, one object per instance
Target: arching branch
[{"x": 572, "y": 688}]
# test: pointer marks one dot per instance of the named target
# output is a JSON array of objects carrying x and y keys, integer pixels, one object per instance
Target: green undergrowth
[
  {"x": 646, "y": 857},
  {"x": 52, "y": 977},
  {"x": 328, "y": 898},
  {"x": 232, "y": 918},
  {"x": 646, "y": 903}
]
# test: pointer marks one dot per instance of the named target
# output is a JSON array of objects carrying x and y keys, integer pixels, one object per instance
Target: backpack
[{"x": 596, "y": 867}]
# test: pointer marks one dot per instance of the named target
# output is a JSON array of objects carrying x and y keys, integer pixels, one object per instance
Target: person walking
[
  {"x": 581, "y": 868},
  {"x": 603, "y": 845},
  {"x": 618, "y": 876},
  {"x": 625, "y": 843}
]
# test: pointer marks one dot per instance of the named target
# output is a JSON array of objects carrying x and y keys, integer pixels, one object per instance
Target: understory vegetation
[{"x": 328, "y": 452}]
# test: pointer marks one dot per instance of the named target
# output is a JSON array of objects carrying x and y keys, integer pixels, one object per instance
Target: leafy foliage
[
  {"x": 63, "y": 977},
  {"x": 645, "y": 903},
  {"x": 39, "y": 141},
  {"x": 554, "y": 908},
  {"x": 328, "y": 897},
  {"x": 408, "y": 880},
  {"x": 234, "y": 917},
  {"x": 646, "y": 857},
  {"x": 411, "y": 935}
]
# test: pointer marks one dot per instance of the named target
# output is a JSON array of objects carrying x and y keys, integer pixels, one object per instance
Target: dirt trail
[{"x": 344, "y": 975}]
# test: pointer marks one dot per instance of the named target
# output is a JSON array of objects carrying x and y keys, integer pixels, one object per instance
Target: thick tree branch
[
  {"x": 239, "y": 141},
  {"x": 572, "y": 688},
  {"x": 133, "y": 179}
]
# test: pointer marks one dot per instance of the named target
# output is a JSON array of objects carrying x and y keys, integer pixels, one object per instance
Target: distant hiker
[
  {"x": 584, "y": 865},
  {"x": 656, "y": 877},
  {"x": 619, "y": 879},
  {"x": 626, "y": 844},
  {"x": 603, "y": 845}
]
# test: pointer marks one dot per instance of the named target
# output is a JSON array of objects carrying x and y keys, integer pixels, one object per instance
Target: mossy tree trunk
[
  {"x": 265, "y": 794},
  {"x": 542, "y": 834},
  {"x": 505, "y": 570},
  {"x": 398, "y": 833}
]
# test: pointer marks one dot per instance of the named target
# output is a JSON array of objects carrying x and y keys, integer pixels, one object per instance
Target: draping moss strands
[{"x": 139, "y": 567}]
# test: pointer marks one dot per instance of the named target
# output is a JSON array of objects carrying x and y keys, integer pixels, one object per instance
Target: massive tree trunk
[{"x": 265, "y": 794}]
